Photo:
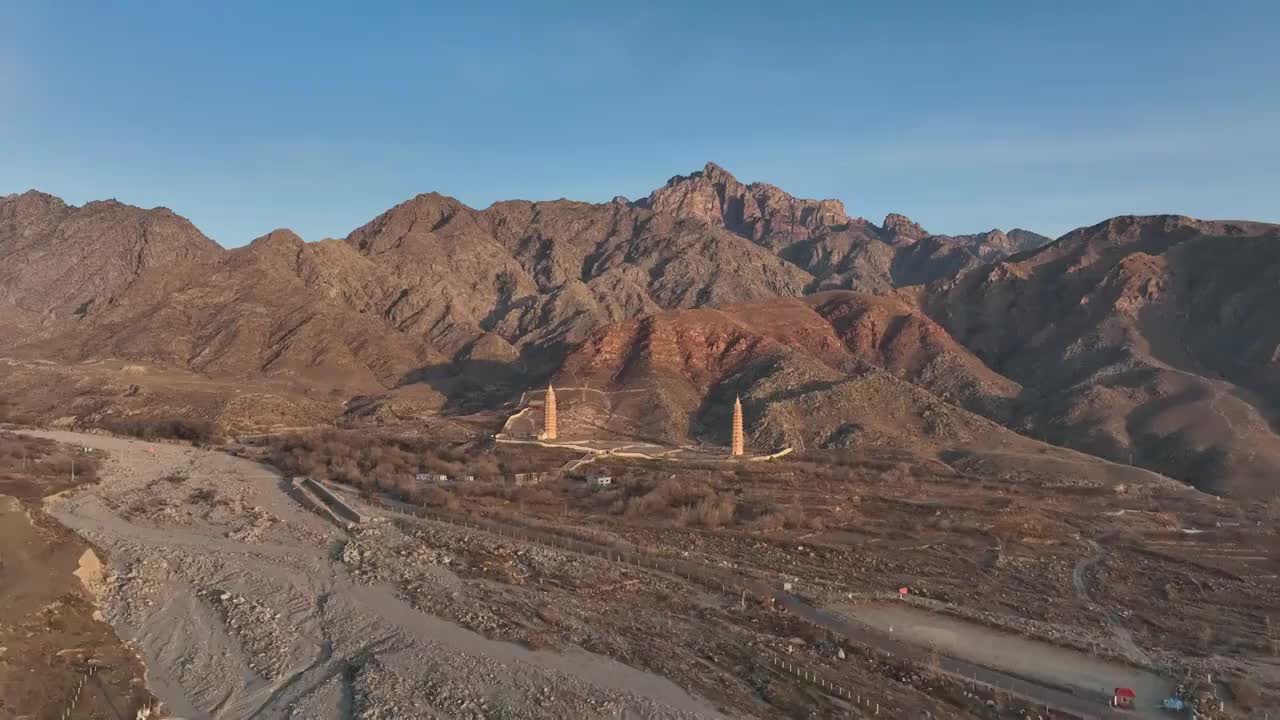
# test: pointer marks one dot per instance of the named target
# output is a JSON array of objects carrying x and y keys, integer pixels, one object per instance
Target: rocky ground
[
  {"x": 1155, "y": 575},
  {"x": 244, "y": 604}
]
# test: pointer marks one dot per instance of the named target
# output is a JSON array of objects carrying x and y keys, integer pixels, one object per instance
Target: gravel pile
[
  {"x": 379, "y": 692},
  {"x": 130, "y": 593},
  {"x": 258, "y": 630}
]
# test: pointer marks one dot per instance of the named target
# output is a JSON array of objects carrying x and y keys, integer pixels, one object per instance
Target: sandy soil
[
  {"x": 56, "y": 654},
  {"x": 241, "y": 607},
  {"x": 1013, "y": 653}
]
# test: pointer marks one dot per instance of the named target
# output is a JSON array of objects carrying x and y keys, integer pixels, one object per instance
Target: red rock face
[{"x": 774, "y": 349}]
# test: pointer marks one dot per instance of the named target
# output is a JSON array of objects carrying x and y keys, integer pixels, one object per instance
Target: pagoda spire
[
  {"x": 549, "y": 429},
  {"x": 737, "y": 447}
]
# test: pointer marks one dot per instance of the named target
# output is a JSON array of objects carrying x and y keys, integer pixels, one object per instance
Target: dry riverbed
[{"x": 241, "y": 605}]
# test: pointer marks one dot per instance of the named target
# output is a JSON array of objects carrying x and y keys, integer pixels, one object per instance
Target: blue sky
[{"x": 317, "y": 116}]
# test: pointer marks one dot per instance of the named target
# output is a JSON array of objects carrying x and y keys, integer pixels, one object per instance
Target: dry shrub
[
  {"x": 716, "y": 511},
  {"x": 687, "y": 502},
  {"x": 536, "y": 495},
  {"x": 32, "y": 467},
  {"x": 1246, "y": 694},
  {"x": 486, "y": 488},
  {"x": 896, "y": 475},
  {"x": 792, "y": 517},
  {"x": 200, "y": 496},
  {"x": 438, "y": 497},
  {"x": 377, "y": 462},
  {"x": 10, "y": 413},
  {"x": 188, "y": 429}
]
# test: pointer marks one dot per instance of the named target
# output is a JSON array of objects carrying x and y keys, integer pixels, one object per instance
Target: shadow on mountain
[{"x": 471, "y": 385}]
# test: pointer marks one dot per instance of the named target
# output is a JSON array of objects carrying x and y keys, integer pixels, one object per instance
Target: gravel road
[
  {"x": 993, "y": 653},
  {"x": 240, "y": 604}
]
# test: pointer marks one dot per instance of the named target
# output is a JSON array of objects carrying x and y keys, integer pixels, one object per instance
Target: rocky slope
[
  {"x": 430, "y": 289},
  {"x": 427, "y": 284},
  {"x": 59, "y": 262},
  {"x": 541, "y": 275},
  {"x": 1148, "y": 339},
  {"x": 1142, "y": 340},
  {"x": 821, "y": 370},
  {"x": 840, "y": 252}
]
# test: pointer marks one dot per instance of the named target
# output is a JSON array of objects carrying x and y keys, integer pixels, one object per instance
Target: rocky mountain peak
[
  {"x": 70, "y": 262},
  {"x": 278, "y": 240},
  {"x": 715, "y": 173},
  {"x": 30, "y": 204},
  {"x": 1021, "y": 240},
  {"x": 710, "y": 173},
  {"x": 902, "y": 230},
  {"x": 760, "y": 212},
  {"x": 423, "y": 213}
]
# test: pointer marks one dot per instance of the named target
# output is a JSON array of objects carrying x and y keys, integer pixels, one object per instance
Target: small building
[
  {"x": 599, "y": 481},
  {"x": 532, "y": 478},
  {"x": 1123, "y": 698}
]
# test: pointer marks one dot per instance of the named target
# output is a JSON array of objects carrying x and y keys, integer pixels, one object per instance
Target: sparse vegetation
[
  {"x": 1246, "y": 694},
  {"x": 33, "y": 465},
  {"x": 390, "y": 464},
  {"x": 9, "y": 413},
  {"x": 190, "y": 430},
  {"x": 48, "y": 619}
]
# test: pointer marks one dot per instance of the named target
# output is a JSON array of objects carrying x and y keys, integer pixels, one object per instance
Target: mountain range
[{"x": 1142, "y": 340}]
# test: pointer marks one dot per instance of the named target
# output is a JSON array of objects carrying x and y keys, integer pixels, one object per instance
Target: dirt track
[
  {"x": 1123, "y": 638},
  {"x": 1014, "y": 654},
  {"x": 241, "y": 608}
]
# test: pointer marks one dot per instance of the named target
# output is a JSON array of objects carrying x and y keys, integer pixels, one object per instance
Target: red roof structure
[{"x": 1123, "y": 698}]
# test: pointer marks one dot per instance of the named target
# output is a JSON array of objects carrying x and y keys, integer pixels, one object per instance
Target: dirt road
[
  {"x": 1077, "y": 676},
  {"x": 241, "y": 609}
]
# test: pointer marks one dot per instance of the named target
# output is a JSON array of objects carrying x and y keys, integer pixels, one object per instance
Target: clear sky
[{"x": 319, "y": 115}]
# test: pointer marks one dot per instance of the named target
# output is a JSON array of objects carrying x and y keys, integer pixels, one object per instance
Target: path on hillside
[{"x": 1124, "y": 639}]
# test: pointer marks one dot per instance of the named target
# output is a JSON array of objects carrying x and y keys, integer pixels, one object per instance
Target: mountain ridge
[{"x": 1089, "y": 341}]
